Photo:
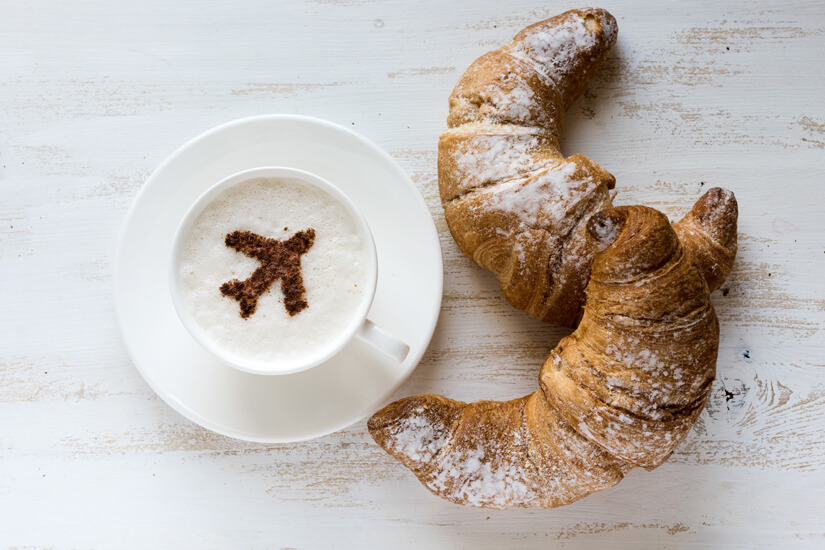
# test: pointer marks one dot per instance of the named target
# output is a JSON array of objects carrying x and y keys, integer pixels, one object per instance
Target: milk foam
[{"x": 336, "y": 271}]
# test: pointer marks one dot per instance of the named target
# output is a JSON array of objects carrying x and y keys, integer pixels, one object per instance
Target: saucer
[{"x": 334, "y": 394}]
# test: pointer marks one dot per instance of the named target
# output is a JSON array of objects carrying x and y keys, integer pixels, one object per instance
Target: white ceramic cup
[{"x": 359, "y": 326}]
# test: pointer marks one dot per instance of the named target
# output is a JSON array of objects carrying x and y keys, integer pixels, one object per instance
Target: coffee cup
[{"x": 273, "y": 271}]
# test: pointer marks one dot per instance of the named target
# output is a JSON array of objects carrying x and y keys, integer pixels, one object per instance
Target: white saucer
[{"x": 334, "y": 394}]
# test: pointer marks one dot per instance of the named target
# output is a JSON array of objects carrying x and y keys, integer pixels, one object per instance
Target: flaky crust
[
  {"x": 624, "y": 389},
  {"x": 621, "y": 391},
  {"x": 512, "y": 202}
]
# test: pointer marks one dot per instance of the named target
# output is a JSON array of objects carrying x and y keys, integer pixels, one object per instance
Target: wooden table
[{"x": 93, "y": 96}]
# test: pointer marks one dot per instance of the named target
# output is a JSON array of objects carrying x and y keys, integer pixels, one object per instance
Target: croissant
[
  {"x": 621, "y": 391},
  {"x": 512, "y": 202}
]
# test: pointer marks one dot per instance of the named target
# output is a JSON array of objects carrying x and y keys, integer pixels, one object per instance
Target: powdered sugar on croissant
[
  {"x": 709, "y": 230},
  {"x": 624, "y": 389},
  {"x": 621, "y": 391},
  {"x": 512, "y": 202}
]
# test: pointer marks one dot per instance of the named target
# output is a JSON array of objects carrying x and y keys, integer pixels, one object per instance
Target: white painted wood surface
[{"x": 94, "y": 95}]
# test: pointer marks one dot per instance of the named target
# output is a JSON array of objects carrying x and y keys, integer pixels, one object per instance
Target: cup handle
[{"x": 382, "y": 340}]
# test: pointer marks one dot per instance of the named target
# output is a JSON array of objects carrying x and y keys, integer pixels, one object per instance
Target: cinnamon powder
[{"x": 280, "y": 260}]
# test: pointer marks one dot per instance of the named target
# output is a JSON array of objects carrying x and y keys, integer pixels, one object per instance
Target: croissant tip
[
  {"x": 718, "y": 195},
  {"x": 414, "y": 429},
  {"x": 599, "y": 20},
  {"x": 598, "y": 12},
  {"x": 716, "y": 212},
  {"x": 604, "y": 227}
]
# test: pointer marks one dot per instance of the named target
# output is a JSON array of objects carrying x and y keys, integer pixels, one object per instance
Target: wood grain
[{"x": 94, "y": 96}]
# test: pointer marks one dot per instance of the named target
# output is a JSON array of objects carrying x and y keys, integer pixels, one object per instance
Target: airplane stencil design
[{"x": 279, "y": 260}]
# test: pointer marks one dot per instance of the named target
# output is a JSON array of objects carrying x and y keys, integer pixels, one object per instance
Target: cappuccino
[{"x": 273, "y": 271}]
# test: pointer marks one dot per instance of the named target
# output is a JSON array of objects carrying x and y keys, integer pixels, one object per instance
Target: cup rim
[{"x": 200, "y": 204}]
